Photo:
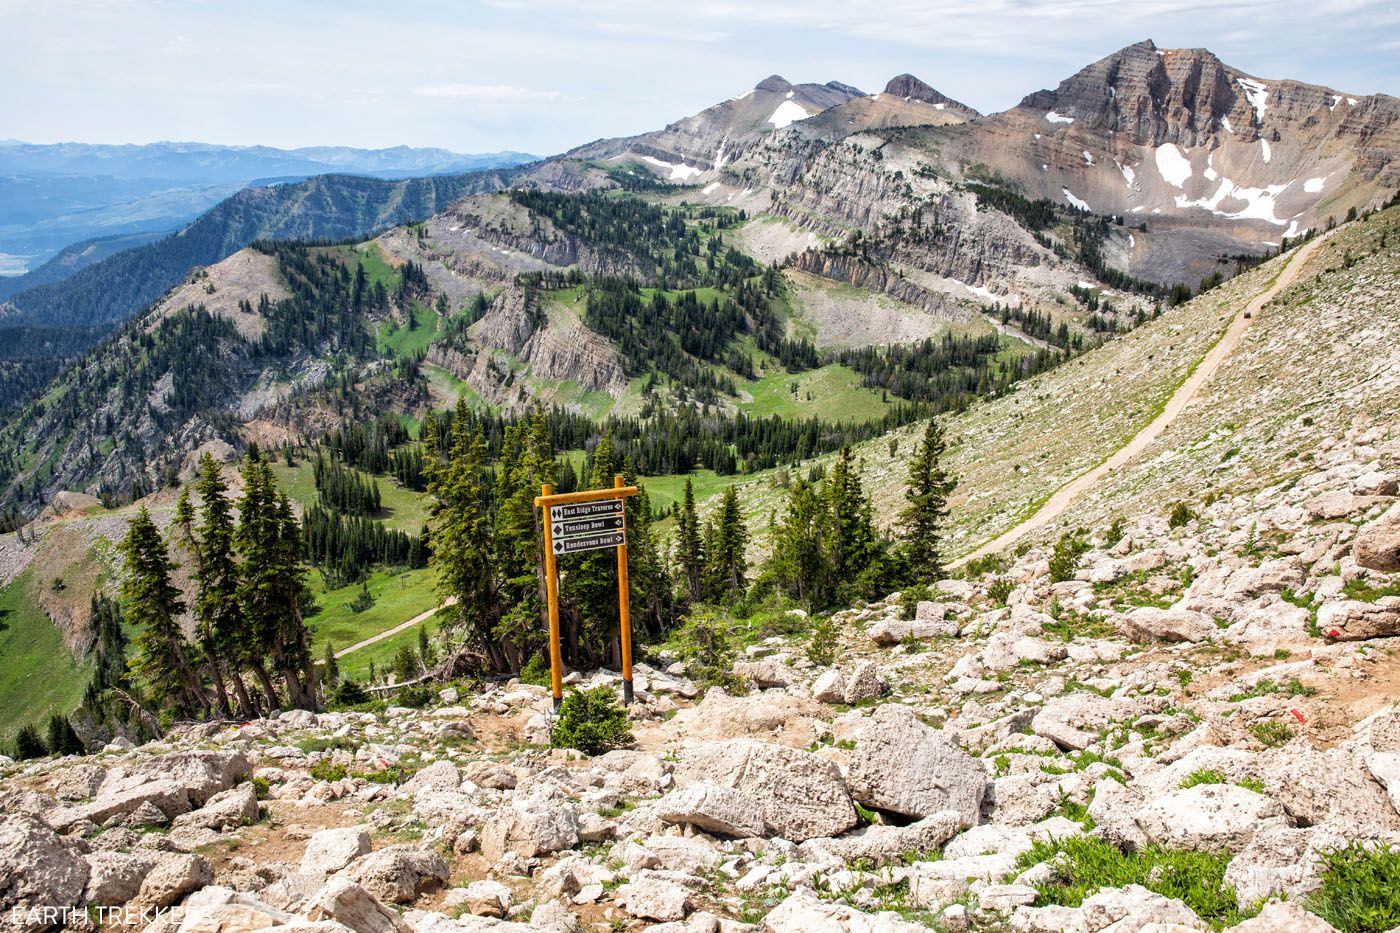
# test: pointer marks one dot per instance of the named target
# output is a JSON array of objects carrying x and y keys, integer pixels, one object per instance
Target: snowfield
[
  {"x": 1174, "y": 167},
  {"x": 788, "y": 112}
]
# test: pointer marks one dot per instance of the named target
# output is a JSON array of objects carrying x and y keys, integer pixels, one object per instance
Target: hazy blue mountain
[{"x": 52, "y": 196}]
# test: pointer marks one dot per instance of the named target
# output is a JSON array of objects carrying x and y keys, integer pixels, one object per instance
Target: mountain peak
[
  {"x": 908, "y": 87},
  {"x": 775, "y": 83}
]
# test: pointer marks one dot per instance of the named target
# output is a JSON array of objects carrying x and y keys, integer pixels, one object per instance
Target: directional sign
[
  {"x": 576, "y": 510},
  {"x": 589, "y": 542}
]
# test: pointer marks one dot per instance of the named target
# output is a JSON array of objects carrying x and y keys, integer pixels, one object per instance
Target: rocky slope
[{"x": 949, "y": 771}]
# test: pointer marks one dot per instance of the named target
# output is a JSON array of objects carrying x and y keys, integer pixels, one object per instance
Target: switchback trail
[
  {"x": 1066, "y": 495},
  {"x": 420, "y": 618}
]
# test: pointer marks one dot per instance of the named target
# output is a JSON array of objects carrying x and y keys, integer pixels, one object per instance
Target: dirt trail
[
  {"x": 1066, "y": 495},
  {"x": 421, "y": 617}
]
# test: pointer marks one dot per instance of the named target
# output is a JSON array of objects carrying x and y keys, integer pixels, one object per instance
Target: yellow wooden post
[
  {"x": 624, "y": 607},
  {"x": 551, "y": 586}
]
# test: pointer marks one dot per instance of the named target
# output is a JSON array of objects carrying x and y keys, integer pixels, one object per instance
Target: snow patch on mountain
[
  {"x": 1054, "y": 117},
  {"x": 1174, "y": 167},
  {"x": 1128, "y": 173},
  {"x": 788, "y": 112},
  {"x": 1268, "y": 153},
  {"x": 1259, "y": 203},
  {"x": 1314, "y": 185},
  {"x": 679, "y": 170},
  {"x": 1257, "y": 93},
  {"x": 1076, "y": 202}
]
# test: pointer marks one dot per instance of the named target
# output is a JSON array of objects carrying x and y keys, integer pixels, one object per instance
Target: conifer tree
[
  {"x": 527, "y": 462},
  {"x": 650, "y": 589},
  {"x": 271, "y": 584},
  {"x": 801, "y": 557},
  {"x": 461, "y": 541},
  {"x": 929, "y": 487},
  {"x": 726, "y": 540},
  {"x": 216, "y": 610},
  {"x": 153, "y": 604},
  {"x": 690, "y": 551},
  {"x": 854, "y": 540}
]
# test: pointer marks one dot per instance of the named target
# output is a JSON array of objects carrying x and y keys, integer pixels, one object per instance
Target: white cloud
[{"x": 498, "y": 92}]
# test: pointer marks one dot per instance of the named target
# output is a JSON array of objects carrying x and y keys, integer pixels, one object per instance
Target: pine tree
[
  {"x": 725, "y": 544},
  {"x": 527, "y": 462},
  {"x": 853, "y": 543},
  {"x": 690, "y": 551},
  {"x": 216, "y": 611},
  {"x": 330, "y": 668},
  {"x": 929, "y": 487},
  {"x": 271, "y": 584},
  {"x": 461, "y": 541},
  {"x": 800, "y": 561},
  {"x": 153, "y": 605}
]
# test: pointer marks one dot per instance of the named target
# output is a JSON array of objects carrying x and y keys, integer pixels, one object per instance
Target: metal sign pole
[
  {"x": 551, "y": 577},
  {"x": 624, "y": 609}
]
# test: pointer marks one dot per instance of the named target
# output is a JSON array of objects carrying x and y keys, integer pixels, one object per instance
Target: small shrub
[
  {"x": 705, "y": 646},
  {"x": 1271, "y": 733},
  {"x": 592, "y": 722},
  {"x": 327, "y": 770},
  {"x": 363, "y": 601},
  {"x": 1064, "y": 558},
  {"x": 535, "y": 671},
  {"x": 261, "y": 788},
  {"x": 349, "y": 693},
  {"x": 999, "y": 590},
  {"x": 413, "y": 697},
  {"x": 1359, "y": 893},
  {"x": 1181, "y": 514},
  {"x": 909, "y": 599},
  {"x": 821, "y": 647},
  {"x": 1115, "y": 532},
  {"x": 981, "y": 566}
]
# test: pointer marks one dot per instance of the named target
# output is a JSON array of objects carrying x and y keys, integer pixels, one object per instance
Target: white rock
[
  {"x": 1209, "y": 817},
  {"x": 330, "y": 850},
  {"x": 903, "y": 766}
]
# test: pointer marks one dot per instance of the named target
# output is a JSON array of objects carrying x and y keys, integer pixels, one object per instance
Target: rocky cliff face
[{"x": 552, "y": 344}]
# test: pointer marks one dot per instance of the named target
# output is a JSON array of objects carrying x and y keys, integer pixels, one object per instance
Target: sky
[{"x": 542, "y": 76}]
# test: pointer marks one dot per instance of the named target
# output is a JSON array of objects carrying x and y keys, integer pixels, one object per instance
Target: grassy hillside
[
  {"x": 39, "y": 676},
  {"x": 1320, "y": 363}
]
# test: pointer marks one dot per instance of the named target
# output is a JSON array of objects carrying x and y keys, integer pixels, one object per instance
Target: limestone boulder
[
  {"x": 800, "y": 796},
  {"x": 902, "y": 766},
  {"x": 1353, "y": 620},
  {"x": 1377, "y": 545},
  {"x": 529, "y": 831},
  {"x": 353, "y": 905},
  {"x": 330, "y": 850},
  {"x": 37, "y": 869},
  {"x": 1148, "y": 623},
  {"x": 398, "y": 874},
  {"x": 1209, "y": 817},
  {"x": 713, "y": 809},
  {"x": 227, "y": 809}
]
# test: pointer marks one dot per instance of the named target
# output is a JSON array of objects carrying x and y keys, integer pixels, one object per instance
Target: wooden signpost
[{"x": 585, "y": 521}]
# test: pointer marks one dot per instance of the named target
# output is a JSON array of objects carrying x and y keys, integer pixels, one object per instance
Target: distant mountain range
[{"x": 53, "y": 196}]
